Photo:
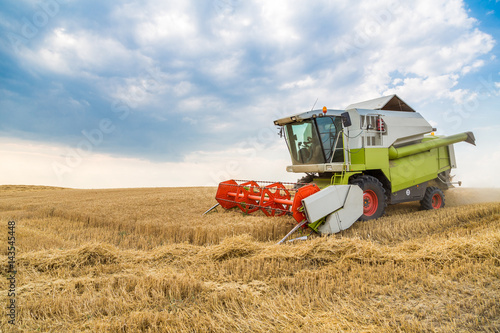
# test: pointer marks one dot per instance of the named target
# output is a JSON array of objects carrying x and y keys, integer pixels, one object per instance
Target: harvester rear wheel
[
  {"x": 374, "y": 200},
  {"x": 433, "y": 198}
]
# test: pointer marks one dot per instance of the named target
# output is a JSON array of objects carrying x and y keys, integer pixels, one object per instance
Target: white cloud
[
  {"x": 59, "y": 165},
  {"x": 277, "y": 18},
  {"x": 147, "y": 89},
  {"x": 475, "y": 66},
  {"x": 83, "y": 53},
  {"x": 200, "y": 104},
  {"x": 224, "y": 68},
  {"x": 183, "y": 88},
  {"x": 166, "y": 26},
  {"x": 307, "y": 82},
  {"x": 432, "y": 42},
  {"x": 419, "y": 89},
  {"x": 280, "y": 55}
]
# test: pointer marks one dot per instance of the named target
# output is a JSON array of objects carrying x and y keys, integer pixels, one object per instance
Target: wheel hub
[
  {"x": 436, "y": 201},
  {"x": 370, "y": 203}
]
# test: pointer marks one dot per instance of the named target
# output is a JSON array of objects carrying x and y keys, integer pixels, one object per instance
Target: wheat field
[{"x": 145, "y": 260}]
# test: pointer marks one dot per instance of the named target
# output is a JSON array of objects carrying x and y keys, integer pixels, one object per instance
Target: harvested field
[{"x": 145, "y": 260}]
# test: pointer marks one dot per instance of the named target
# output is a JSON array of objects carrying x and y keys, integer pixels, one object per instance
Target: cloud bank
[{"x": 169, "y": 83}]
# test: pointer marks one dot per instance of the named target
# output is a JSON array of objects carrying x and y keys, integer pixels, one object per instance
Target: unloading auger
[{"x": 356, "y": 161}]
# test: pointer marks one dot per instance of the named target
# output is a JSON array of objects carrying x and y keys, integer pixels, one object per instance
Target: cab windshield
[{"x": 313, "y": 141}]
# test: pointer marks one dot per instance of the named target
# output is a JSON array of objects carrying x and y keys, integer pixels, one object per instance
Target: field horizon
[{"x": 145, "y": 260}]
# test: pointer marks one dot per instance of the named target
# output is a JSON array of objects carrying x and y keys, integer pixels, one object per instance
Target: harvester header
[{"x": 274, "y": 199}]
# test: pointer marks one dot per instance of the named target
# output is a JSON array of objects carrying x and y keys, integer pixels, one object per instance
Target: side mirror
[{"x": 346, "y": 119}]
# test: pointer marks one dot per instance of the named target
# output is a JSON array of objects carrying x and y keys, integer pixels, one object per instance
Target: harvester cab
[{"x": 356, "y": 161}]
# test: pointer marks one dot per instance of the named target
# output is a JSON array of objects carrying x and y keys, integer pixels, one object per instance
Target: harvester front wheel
[
  {"x": 374, "y": 200},
  {"x": 433, "y": 198}
]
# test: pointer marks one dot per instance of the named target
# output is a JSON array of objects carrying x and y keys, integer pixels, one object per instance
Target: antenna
[{"x": 314, "y": 104}]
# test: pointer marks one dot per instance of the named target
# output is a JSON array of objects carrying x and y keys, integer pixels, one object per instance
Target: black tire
[
  {"x": 308, "y": 178},
  {"x": 433, "y": 198},
  {"x": 374, "y": 199}
]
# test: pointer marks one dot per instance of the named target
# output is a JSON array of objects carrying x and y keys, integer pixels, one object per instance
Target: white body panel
[
  {"x": 325, "y": 202},
  {"x": 400, "y": 128},
  {"x": 345, "y": 218},
  {"x": 341, "y": 204}
]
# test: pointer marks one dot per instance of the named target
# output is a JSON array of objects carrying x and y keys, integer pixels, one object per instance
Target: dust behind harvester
[{"x": 363, "y": 158}]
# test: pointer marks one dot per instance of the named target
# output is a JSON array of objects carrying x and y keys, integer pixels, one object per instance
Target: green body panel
[
  {"x": 370, "y": 159},
  {"x": 315, "y": 225},
  {"x": 444, "y": 159},
  {"x": 357, "y": 167},
  {"x": 343, "y": 178},
  {"x": 376, "y": 158},
  {"x": 338, "y": 178},
  {"x": 358, "y": 156},
  {"x": 322, "y": 182},
  {"x": 403, "y": 172},
  {"x": 418, "y": 168},
  {"x": 362, "y": 160}
]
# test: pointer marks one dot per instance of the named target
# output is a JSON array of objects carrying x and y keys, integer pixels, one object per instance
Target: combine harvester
[{"x": 356, "y": 162}]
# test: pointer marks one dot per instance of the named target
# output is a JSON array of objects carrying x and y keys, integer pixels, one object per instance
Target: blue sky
[{"x": 168, "y": 93}]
